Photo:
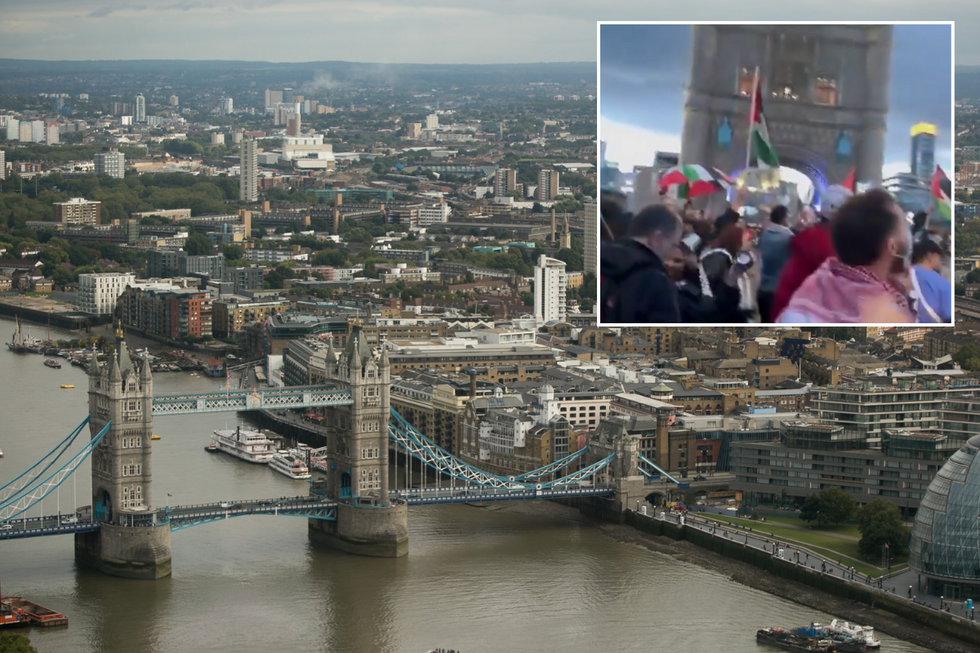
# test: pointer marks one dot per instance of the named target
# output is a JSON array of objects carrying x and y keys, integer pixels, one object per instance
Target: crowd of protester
[{"x": 856, "y": 259}]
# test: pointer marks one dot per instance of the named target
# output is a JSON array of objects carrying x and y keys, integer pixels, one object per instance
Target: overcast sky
[
  {"x": 392, "y": 31},
  {"x": 644, "y": 70}
]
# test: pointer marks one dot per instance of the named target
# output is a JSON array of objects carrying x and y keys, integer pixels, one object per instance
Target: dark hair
[
  {"x": 617, "y": 220},
  {"x": 919, "y": 219},
  {"x": 654, "y": 219},
  {"x": 862, "y": 226},
  {"x": 779, "y": 215},
  {"x": 924, "y": 247},
  {"x": 730, "y": 239}
]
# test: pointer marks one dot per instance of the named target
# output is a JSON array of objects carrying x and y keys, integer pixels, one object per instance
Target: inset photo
[{"x": 794, "y": 174}]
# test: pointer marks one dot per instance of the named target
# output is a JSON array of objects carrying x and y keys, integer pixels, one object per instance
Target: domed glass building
[{"x": 945, "y": 546}]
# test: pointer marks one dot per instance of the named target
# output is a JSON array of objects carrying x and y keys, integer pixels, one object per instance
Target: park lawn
[
  {"x": 828, "y": 544},
  {"x": 850, "y": 530}
]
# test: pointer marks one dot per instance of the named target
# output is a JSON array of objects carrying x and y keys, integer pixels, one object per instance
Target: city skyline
[
  {"x": 544, "y": 31},
  {"x": 642, "y": 105}
]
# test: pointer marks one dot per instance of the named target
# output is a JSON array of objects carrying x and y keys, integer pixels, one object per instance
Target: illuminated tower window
[
  {"x": 825, "y": 91},
  {"x": 746, "y": 81}
]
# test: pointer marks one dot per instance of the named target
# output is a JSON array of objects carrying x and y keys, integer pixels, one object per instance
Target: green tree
[
  {"x": 830, "y": 506},
  {"x": 233, "y": 252},
  {"x": 199, "y": 245},
  {"x": 880, "y": 523},
  {"x": 968, "y": 357},
  {"x": 15, "y": 643},
  {"x": 574, "y": 261}
]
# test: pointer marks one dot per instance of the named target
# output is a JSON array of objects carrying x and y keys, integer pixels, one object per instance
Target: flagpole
[{"x": 752, "y": 109}]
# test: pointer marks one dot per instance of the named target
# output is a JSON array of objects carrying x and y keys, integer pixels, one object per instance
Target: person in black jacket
[
  {"x": 696, "y": 307},
  {"x": 634, "y": 286}
]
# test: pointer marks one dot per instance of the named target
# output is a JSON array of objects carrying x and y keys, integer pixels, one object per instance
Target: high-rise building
[
  {"x": 294, "y": 122},
  {"x": 287, "y": 96},
  {"x": 547, "y": 185},
  {"x": 550, "y": 285},
  {"x": 272, "y": 98},
  {"x": 13, "y": 129},
  {"x": 112, "y": 163},
  {"x": 77, "y": 210},
  {"x": 3, "y": 165},
  {"x": 226, "y": 105},
  {"x": 413, "y": 131},
  {"x": 174, "y": 101},
  {"x": 248, "y": 180},
  {"x": 923, "y": 150},
  {"x": 37, "y": 131},
  {"x": 140, "y": 113},
  {"x": 432, "y": 121},
  {"x": 97, "y": 293},
  {"x": 505, "y": 181},
  {"x": 591, "y": 236},
  {"x": 51, "y": 132}
]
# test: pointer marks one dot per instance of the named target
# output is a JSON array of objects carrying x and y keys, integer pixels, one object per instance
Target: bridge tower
[
  {"x": 368, "y": 523},
  {"x": 623, "y": 472},
  {"x": 130, "y": 542}
]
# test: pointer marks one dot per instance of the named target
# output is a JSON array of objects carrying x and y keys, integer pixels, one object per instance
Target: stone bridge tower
[
  {"x": 130, "y": 542},
  {"x": 826, "y": 97},
  {"x": 367, "y": 522}
]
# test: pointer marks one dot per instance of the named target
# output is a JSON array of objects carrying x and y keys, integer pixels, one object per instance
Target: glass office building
[{"x": 943, "y": 549}]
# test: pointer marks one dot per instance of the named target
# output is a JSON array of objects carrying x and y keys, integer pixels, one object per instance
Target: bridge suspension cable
[
  {"x": 35, "y": 495},
  {"x": 17, "y": 485},
  {"x": 420, "y": 447}
]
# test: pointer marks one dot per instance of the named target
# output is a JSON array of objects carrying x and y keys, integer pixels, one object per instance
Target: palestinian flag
[
  {"x": 693, "y": 181},
  {"x": 759, "y": 133},
  {"x": 940, "y": 182}
]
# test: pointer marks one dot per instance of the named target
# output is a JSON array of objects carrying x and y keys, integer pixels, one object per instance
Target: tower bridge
[{"x": 352, "y": 508}]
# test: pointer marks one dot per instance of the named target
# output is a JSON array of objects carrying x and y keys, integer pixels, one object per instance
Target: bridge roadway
[
  {"x": 181, "y": 517},
  {"x": 251, "y": 399}
]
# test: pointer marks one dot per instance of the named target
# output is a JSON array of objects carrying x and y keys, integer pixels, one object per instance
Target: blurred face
[
  {"x": 662, "y": 244},
  {"x": 899, "y": 245},
  {"x": 675, "y": 264}
]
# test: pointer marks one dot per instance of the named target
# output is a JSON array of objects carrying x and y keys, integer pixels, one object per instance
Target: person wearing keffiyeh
[{"x": 863, "y": 283}]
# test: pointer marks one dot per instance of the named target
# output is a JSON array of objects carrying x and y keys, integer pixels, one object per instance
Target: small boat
[
  {"x": 154, "y": 437},
  {"x": 68, "y": 386},
  {"x": 211, "y": 448},
  {"x": 36, "y": 615},
  {"x": 791, "y": 641},
  {"x": 246, "y": 444},
  {"x": 53, "y": 364},
  {"x": 289, "y": 464},
  {"x": 863, "y": 633},
  {"x": 1, "y": 453}
]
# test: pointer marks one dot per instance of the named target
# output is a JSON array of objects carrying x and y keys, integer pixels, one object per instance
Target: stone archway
[
  {"x": 102, "y": 510},
  {"x": 657, "y": 498}
]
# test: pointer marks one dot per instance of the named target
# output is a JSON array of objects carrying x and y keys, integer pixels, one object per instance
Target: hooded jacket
[
  {"x": 635, "y": 286},
  {"x": 809, "y": 249}
]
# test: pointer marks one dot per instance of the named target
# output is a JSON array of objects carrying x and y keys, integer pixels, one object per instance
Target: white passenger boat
[
  {"x": 866, "y": 633},
  {"x": 289, "y": 464},
  {"x": 246, "y": 444}
]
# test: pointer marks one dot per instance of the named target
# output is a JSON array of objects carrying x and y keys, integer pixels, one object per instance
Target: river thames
[{"x": 475, "y": 580}]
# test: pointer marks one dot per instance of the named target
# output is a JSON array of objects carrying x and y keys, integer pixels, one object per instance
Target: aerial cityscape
[{"x": 307, "y": 356}]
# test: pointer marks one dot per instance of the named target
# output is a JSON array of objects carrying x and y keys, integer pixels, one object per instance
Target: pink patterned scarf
[{"x": 837, "y": 293}]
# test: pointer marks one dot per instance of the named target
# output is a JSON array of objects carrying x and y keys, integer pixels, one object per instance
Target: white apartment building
[
  {"x": 550, "y": 285},
  {"x": 111, "y": 163},
  {"x": 501, "y": 336},
  {"x": 274, "y": 255},
  {"x": 13, "y": 129},
  {"x": 434, "y": 214},
  {"x": 98, "y": 292},
  {"x": 140, "y": 108},
  {"x": 248, "y": 181},
  {"x": 432, "y": 121},
  {"x": 404, "y": 273}
]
